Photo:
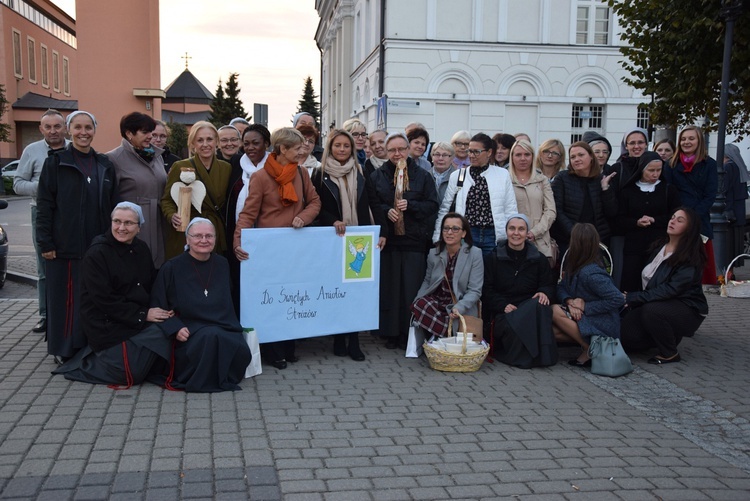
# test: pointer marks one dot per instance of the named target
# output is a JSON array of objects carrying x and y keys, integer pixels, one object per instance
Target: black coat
[
  {"x": 634, "y": 204},
  {"x": 422, "y": 206},
  {"x": 569, "y": 202},
  {"x": 61, "y": 212},
  {"x": 115, "y": 290},
  {"x": 681, "y": 282},
  {"x": 507, "y": 282},
  {"x": 330, "y": 202}
]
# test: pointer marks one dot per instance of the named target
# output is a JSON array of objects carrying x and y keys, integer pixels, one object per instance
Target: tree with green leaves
[
  {"x": 674, "y": 51},
  {"x": 309, "y": 101},
  {"x": 177, "y": 140},
  {"x": 227, "y": 104},
  {"x": 4, "y": 128},
  {"x": 219, "y": 111}
]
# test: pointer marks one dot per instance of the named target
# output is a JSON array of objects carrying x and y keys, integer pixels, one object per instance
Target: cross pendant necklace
[{"x": 200, "y": 278}]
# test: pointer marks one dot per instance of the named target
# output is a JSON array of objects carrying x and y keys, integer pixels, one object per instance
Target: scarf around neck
[
  {"x": 283, "y": 175},
  {"x": 345, "y": 178},
  {"x": 377, "y": 162},
  {"x": 688, "y": 162},
  {"x": 248, "y": 169}
]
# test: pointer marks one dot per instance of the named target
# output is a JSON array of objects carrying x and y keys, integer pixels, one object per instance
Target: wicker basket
[
  {"x": 441, "y": 360},
  {"x": 735, "y": 289}
]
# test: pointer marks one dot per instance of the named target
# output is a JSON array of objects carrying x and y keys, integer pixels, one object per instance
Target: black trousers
[{"x": 660, "y": 324}]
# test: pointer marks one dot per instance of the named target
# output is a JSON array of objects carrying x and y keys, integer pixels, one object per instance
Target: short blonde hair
[
  {"x": 353, "y": 123},
  {"x": 194, "y": 132},
  {"x": 442, "y": 145},
  {"x": 285, "y": 136}
]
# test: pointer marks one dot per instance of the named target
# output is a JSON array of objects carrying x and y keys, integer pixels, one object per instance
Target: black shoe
[
  {"x": 59, "y": 360},
  {"x": 657, "y": 360},
  {"x": 391, "y": 343},
  {"x": 292, "y": 359},
  {"x": 41, "y": 326},
  {"x": 339, "y": 346},
  {"x": 279, "y": 364},
  {"x": 357, "y": 355},
  {"x": 575, "y": 363}
]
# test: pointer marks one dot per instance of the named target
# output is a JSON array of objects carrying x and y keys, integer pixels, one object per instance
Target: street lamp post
[{"x": 723, "y": 239}]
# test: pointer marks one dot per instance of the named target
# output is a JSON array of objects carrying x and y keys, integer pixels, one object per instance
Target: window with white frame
[
  {"x": 32, "y": 59},
  {"x": 66, "y": 76},
  {"x": 44, "y": 62},
  {"x": 592, "y": 22},
  {"x": 643, "y": 117},
  {"x": 585, "y": 117},
  {"x": 17, "y": 63},
  {"x": 55, "y": 71}
]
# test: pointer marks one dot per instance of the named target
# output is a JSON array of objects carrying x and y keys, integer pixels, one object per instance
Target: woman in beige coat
[{"x": 533, "y": 197}]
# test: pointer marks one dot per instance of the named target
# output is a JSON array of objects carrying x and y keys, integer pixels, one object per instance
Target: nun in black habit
[
  {"x": 209, "y": 351},
  {"x": 116, "y": 276}
]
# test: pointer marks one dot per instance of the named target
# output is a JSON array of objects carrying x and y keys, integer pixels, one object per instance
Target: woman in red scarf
[
  {"x": 279, "y": 196},
  {"x": 694, "y": 175}
]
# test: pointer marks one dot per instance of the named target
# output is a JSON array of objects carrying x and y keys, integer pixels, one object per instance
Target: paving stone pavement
[{"x": 329, "y": 428}]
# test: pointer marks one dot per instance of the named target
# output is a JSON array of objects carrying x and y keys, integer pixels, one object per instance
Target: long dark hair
[
  {"x": 584, "y": 249},
  {"x": 464, "y": 226},
  {"x": 690, "y": 249}
]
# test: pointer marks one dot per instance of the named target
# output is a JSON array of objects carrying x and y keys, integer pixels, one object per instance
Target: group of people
[{"x": 137, "y": 290}]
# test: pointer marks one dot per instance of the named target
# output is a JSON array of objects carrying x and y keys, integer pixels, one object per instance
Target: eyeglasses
[
  {"x": 127, "y": 224},
  {"x": 201, "y": 236},
  {"x": 550, "y": 153},
  {"x": 391, "y": 151},
  {"x": 461, "y": 145},
  {"x": 308, "y": 141},
  {"x": 601, "y": 152},
  {"x": 441, "y": 155},
  {"x": 229, "y": 140},
  {"x": 451, "y": 229},
  {"x": 159, "y": 136},
  {"x": 359, "y": 134},
  {"x": 636, "y": 143},
  {"x": 476, "y": 152}
]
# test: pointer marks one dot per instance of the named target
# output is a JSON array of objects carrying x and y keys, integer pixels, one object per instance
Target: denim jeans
[{"x": 484, "y": 238}]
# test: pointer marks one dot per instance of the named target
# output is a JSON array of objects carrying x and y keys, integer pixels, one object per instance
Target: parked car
[
  {"x": 10, "y": 169},
  {"x": 8, "y": 172},
  {"x": 3, "y": 250}
]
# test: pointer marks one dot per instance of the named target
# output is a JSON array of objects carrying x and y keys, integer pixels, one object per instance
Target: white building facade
[{"x": 549, "y": 68}]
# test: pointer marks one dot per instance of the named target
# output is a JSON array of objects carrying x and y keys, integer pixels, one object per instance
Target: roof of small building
[
  {"x": 33, "y": 101},
  {"x": 184, "y": 118},
  {"x": 186, "y": 86}
]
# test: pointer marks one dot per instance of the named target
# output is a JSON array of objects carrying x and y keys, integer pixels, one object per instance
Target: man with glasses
[{"x": 26, "y": 182}]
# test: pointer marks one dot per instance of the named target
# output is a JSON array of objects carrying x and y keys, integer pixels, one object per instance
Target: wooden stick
[{"x": 183, "y": 207}]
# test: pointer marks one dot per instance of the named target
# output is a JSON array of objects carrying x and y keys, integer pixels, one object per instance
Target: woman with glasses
[
  {"x": 213, "y": 173},
  {"x": 209, "y": 353},
  {"x": 141, "y": 177},
  {"x": 460, "y": 143},
  {"x": 310, "y": 134},
  {"x": 358, "y": 130},
  {"x": 404, "y": 194},
  {"x": 77, "y": 192},
  {"x": 694, "y": 175},
  {"x": 582, "y": 195},
  {"x": 379, "y": 156},
  {"x": 551, "y": 159},
  {"x": 453, "y": 280},
  {"x": 601, "y": 147},
  {"x": 280, "y": 195},
  {"x": 442, "y": 166},
  {"x": 229, "y": 142},
  {"x": 159, "y": 139},
  {"x": 534, "y": 197},
  {"x": 486, "y": 196},
  {"x": 344, "y": 202}
]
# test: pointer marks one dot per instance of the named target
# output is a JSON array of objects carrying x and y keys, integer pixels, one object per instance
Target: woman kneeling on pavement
[
  {"x": 672, "y": 304},
  {"x": 453, "y": 281},
  {"x": 518, "y": 289},
  {"x": 116, "y": 277},
  {"x": 589, "y": 301},
  {"x": 209, "y": 353}
]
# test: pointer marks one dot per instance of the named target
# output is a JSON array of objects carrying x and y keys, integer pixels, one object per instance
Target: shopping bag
[
  {"x": 251, "y": 338},
  {"x": 414, "y": 343}
]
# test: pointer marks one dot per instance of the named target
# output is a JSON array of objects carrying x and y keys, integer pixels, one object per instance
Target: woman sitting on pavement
[
  {"x": 518, "y": 289},
  {"x": 589, "y": 301},
  {"x": 209, "y": 352},
  {"x": 672, "y": 304},
  {"x": 116, "y": 277},
  {"x": 453, "y": 281}
]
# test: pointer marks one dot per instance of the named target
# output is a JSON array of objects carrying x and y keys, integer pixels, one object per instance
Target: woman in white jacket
[{"x": 483, "y": 193}]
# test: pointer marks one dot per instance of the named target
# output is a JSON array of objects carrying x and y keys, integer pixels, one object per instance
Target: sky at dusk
[{"x": 269, "y": 43}]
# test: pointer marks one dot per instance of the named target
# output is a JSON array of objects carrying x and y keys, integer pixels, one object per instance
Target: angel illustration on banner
[{"x": 359, "y": 251}]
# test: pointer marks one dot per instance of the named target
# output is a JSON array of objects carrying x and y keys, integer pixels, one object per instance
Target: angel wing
[
  {"x": 199, "y": 193},
  {"x": 367, "y": 247},
  {"x": 352, "y": 249}
]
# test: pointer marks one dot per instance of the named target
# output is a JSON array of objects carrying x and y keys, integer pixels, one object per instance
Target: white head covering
[
  {"x": 195, "y": 221},
  {"x": 623, "y": 148},
  {"x": 79, "y": 112},
  {"x": 131, "y": 206}
]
